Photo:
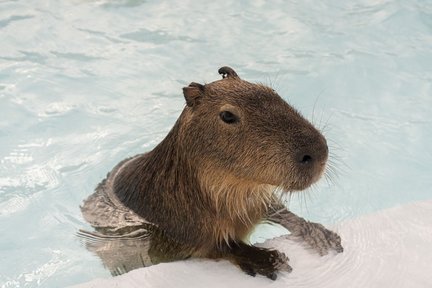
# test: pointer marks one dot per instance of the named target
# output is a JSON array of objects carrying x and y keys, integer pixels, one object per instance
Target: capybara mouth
[
  {"x": 307, "y": 173},
  {"x": 310, "y": 163}
]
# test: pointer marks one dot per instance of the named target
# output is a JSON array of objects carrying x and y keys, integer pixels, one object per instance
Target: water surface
[{"x": 84, "y": 84}]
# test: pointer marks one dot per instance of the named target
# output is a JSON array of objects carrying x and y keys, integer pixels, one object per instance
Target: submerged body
[{"x": 203, "y": 189}]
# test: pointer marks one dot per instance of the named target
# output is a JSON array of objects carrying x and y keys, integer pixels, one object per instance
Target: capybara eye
[{"x": 228, "y": 117}]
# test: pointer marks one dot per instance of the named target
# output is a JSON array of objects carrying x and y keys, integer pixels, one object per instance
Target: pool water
[{"x": 84, "y": 84}]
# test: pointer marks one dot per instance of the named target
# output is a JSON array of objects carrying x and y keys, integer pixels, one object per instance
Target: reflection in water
[
  {"x": 121, "y": 253},
  {"x": 130, "y": 247},
  {"x": 122, "y": 239}
]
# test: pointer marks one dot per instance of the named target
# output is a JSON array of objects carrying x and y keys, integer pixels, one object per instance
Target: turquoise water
[{"x": 84, "y": 84}]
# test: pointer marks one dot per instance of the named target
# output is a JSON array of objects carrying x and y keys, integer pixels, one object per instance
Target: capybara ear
[
  {"x": 193, "y": 93},
  {"x": 228, "y": 72}
]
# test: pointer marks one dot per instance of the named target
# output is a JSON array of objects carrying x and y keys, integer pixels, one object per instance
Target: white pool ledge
[{"x": 391, "y": 248}]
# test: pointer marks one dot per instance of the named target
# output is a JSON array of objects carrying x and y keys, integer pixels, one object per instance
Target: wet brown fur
[{"x": 208, "y": 183}]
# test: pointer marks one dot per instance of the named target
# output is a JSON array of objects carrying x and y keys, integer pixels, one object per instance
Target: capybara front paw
[
  {"x": 266, "y": 263},
  {"x": 319, "y": 238}
]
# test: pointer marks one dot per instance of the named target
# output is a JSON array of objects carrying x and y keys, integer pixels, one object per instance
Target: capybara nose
[
  {"x": 306, "y": 159},
  {"x": 312, "y": 155}
]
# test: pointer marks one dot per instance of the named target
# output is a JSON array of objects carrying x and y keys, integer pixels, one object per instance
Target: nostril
[{"x": 306, "y": 159}]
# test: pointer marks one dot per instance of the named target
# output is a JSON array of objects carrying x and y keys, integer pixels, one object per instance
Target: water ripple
[
  {"x": 14, "y": 18},
  {"x": 155, "y": 37}
]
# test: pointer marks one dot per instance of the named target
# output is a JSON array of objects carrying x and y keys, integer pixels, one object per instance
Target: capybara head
[{"x": 248, "y": 132}]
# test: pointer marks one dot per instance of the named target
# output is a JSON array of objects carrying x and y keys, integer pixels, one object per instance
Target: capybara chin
[{"x": 201, "y": 191}]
